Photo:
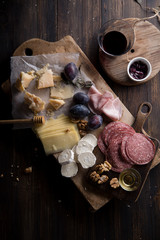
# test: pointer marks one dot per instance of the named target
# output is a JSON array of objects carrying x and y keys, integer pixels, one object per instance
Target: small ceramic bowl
[{"x": 139, "y": 69}]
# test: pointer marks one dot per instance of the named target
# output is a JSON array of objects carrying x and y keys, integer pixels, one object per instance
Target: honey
[{"x": 130, "y": 179}]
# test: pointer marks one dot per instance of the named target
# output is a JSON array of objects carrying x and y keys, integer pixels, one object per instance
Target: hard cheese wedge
[
  {"x": 58, "y": 134},
  {"x": 59, "y": 142}
]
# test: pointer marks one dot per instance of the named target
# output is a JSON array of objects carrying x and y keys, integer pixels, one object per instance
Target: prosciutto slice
[
  {"x": 112, "y": 109},
  {"x": 93, "y": 90},
  {"x": 105, "y": 103},
  {"x": 104, "y": 98}
]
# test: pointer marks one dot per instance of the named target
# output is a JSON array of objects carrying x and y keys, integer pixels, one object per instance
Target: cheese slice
[
  {"x": 56, "y": 103},
  {"x": 35, "y": 103},
  {"x": 62, "y": 91}
]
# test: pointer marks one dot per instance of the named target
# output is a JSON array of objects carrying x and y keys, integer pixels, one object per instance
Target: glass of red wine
[{"x": 116, "y": 37}]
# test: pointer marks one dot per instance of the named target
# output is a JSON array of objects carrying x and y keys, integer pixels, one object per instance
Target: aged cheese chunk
[
  {"x": 41, "y": 71},
  {"x": 57, "y": 78},
  {"x": 35, "y": 103},
  {"x": 56, "y": 103},
  {"x": 24, "y": 80},
  {"x": 62, "y": 91},
  {"x": 46, "y": 80}
]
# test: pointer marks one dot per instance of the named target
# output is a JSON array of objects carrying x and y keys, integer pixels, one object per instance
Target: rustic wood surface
[
  {"x": 144, "y": 46},
  {"x": 43, "y": 205},
  {"x": 94, "y": 196}
]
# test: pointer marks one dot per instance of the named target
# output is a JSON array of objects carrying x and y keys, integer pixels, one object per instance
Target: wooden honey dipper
[{"x": 35, "y": 120}]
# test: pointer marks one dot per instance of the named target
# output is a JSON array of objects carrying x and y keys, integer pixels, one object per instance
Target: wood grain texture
[
  {"x": 96, "y": 198},
  {"x": 144, "y": 46},
  {"x": 43, "y": 205}
]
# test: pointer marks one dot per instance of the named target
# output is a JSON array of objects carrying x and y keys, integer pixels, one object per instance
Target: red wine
[{"x": 114, "y": 43}]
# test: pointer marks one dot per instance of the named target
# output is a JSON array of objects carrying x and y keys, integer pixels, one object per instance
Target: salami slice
[
  {"x": 101, "y": 145},
  {"x": 140, "y": 149},
  {"x": 114, "y": 157},
  {"x": 123, "y": 148},
  {"x": 115, "y": 127}
]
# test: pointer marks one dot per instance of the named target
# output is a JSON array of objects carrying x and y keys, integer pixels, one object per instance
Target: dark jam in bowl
[
  {"x": 138, "y": 70},
  {"x": 114, "y": 43}
]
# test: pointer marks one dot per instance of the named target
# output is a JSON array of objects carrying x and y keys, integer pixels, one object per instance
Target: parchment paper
[{"x": 56, "y": 62}]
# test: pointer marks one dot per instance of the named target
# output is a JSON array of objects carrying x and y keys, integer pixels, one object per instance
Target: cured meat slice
[
  {"x": 115, "y": 127},
  {"x": 114, "y": 156},
  {"x": 104, "y": 98},
  {"x": 101, "y": 145},
  {"x": 120, "y": 133},
  {"x": 113, "y": 109},
  {"x": 123, "y": 148},
  {"x": 94, "y": 100},
  {"x": 140, "y": 149},
  {"x": 105, "y": 103},
  {"x": 93, "y": 90}
]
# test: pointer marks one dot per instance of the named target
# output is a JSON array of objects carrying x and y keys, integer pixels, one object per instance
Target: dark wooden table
[{"x": 43, "y": 204}]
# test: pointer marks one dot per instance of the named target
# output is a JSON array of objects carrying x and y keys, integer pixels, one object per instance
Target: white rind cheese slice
[
  {"x": 87, "y": 159},
  {"x": 91, "y": 139},
  {"x": 83, "y": 147},
  {"x": 66, "y": 157},
  {"x": 69, "y": 170}
]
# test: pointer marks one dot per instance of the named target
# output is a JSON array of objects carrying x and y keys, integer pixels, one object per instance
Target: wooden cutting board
[
  {"x": 146, "y": 44},
  {"x": 96, "y": 198}
]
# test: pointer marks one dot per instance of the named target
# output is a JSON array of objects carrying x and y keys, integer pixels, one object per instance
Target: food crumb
[
  {"x": 17, "y": 179},
  {"x": 28, "y": 170}
]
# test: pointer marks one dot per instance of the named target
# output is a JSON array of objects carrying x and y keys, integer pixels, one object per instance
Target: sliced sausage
[{"x": 140, "y": 149}]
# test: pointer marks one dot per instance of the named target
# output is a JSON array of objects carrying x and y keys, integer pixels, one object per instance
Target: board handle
[{"x": 143, "y": 113}]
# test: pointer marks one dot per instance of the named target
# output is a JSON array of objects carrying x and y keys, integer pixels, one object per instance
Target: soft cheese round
[
  {"x": 69, "y": 170},
  {"x": 66, "y": 156},
  {"x": 83, "y": 147},
  {"x": 90, "y": 138},
  {"x": 87, "y": 159}
]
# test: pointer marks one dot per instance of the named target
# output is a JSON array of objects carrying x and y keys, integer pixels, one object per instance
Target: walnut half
[
  {"x": 103, "y": 167},
  {"x": 114, "y": 183},
  {"x": 103, "y": 179},
  {"x": 94, "y": 176}
]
